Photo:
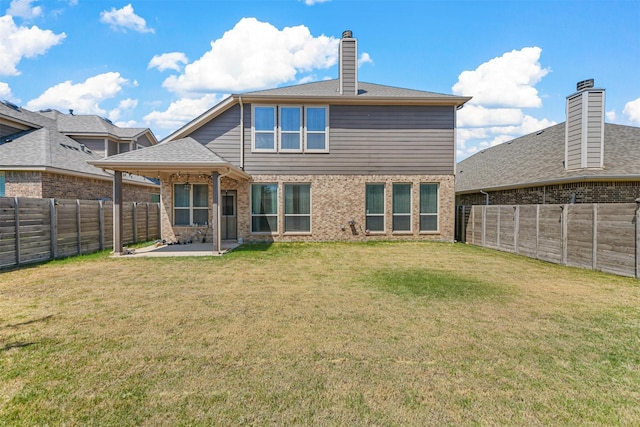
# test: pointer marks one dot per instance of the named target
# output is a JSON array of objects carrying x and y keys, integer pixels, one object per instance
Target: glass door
[{"x": 228, "y": 220}]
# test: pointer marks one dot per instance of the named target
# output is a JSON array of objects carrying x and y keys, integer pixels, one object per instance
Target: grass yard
[{"x": 319, "y": 334}]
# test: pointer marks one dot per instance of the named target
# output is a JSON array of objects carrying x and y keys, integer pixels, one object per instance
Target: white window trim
[
  {"x": 326, "y": 130},
  {"x": 410, "y": 213},
  {"x": 285, "y": 215},
  {"x": 190, "y": 208},
  {"x": 437, "y": 214},
  {"x": 384, "y": 209},
  {"x": 253, "y": 129},
  {"x": 300, "y": 131}
]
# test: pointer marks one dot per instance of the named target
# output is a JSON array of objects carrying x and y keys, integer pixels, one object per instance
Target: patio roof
[{"x": 184, "y": 155}]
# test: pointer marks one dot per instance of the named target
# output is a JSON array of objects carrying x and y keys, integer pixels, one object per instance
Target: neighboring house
[
  {"x": 332, "y": 160},
  {"x": 44, "y": 154},
  {"x": 582, "y": 160}
]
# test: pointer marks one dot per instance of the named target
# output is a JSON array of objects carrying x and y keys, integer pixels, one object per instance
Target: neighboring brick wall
[
  {"x": 584, "y": 192},
  {"x": 50, "y": 185},
  {"x": 336, "y": 199}
]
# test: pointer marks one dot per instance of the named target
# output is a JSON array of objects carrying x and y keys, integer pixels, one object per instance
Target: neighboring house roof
[
  {"x": 538, "y": 159},
  {"x": 42, "y": 147},
  {"x": 183, "y": 155},
  {"x": 326, "y": 91}
]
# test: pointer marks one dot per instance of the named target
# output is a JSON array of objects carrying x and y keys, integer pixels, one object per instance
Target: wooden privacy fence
[
  {"x": 603, "y": 237},
  {"x": 35, "y": 230}
]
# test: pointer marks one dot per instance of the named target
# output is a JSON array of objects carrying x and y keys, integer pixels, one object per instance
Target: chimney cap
[
  {"x": 584, "y": 84},
  {"x": 347, "y": 34}
]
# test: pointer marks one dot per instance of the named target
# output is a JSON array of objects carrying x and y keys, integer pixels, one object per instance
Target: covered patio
[{"x": 187, "y": 163}]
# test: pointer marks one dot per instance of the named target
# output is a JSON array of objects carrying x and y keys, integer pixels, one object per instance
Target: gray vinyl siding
[
  {"x": 370, "y": 140},
  {"x": 574, "y": 132},
  {"x": 222, "y": 135},
  {"x": 348, "y": 67},
  {"x": 595, "y": 127},
  {"x": 143, "y": 141}
]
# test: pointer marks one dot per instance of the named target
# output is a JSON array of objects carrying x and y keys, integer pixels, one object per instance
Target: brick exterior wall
[
  {"x": 336, "y": 199},
  {"x": 583, "y": 192},
  {"x": 50, "y": 185}
]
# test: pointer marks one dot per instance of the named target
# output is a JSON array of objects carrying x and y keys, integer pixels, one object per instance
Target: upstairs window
[
  {"x": 290, "y": 129},
  {"x": 316, "y": 129},
  {"x": 264, "y": 128}
]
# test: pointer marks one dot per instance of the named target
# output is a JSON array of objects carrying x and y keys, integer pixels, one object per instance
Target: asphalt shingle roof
[
  {"x": 538, "y": 158},
  {"x": 185, "y": 150}
]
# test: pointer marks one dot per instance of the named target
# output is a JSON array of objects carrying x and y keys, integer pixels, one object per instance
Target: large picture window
[
  {"x": 297, "y": 208},
  {"x": 429, "y": 207},
  {"x": 191, "y": 204},
  {"x": 374, "y": 207},
  {"x": 264, "y": 128},
  {"x": 316, "y": 129},
  {"x": 290, "y": 128},
  {"x": 264, "y": 208},
  {"x": 401, "y": 207}
]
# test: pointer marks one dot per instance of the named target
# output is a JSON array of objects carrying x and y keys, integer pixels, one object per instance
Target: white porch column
[
  {"x": 117, "y": 213},
  {"x": 215, "y": 209}
]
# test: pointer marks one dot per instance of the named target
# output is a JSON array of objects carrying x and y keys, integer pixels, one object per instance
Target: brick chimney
[
  {"x": 348, "y": 64},
  {"x": 584, "y": 128}
]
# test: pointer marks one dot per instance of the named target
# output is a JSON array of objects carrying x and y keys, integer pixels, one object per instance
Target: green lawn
[{"x": 319, "y": 334}]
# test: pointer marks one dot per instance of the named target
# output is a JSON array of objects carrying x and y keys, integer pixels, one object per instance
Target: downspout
[
  {"x": 486, "y": 194},
  {"x": 241, "y": 133}
]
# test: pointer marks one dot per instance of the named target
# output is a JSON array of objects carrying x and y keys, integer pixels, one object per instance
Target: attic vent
[
  {"x": 540, "y": 132},
  {"x": 585, "y": 84},
  {"x": 11, "y": 105},
  {"x": 107, "y": 120}
]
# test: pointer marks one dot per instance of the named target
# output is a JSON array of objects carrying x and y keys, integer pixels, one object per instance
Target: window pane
[
  {"x": 264, "y": 199},
  {"x": 428, "y": 198},
  {"x": 428, "y": 222},
  {"x": 264, "y": 141},
  {"x": 2, "y": 189},
  {"x": 401, "y": 198},
  {"x": 375, "y": 223},
  {"x": 290, "y": 118},
  {"x": 200, "y": 216},
  {"x": 402, "y": 223},
  {"x": 264, "y": 118},
  {"x": 181, "y": 196},
  {"x": 181, "y": 216},
  {"x": 297, "y": 199},
  {"x": 316, "y": 141},
  {"x": 297, "y": 223},
  {"x": 264, "y": 224},
  {"x": 290, "y": 141},
  {"x": 316, "y": 119},
  {"x": 375, "y": 199},
  {"x": 228, "y": 205},
  {"x": 200, "y": 195}
]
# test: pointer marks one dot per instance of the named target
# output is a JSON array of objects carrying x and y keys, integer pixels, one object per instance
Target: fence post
[
  {"x": 498, "y": 228},
  {"x": 464, "y": 225},
  {"x": 146, "y": 222},
  {"x": 159, "y": 220},
  {"x": 78, "y": 227},
  {"x": 638, "y": 238},
  {"x": 594, "y": 260},
  {"x": 53, "y": 215},
  {"x": 565, "y": 229},
  {"x": 101, "y": 224},
  {"x": 516, "y": 228},
  {"x": 16, "y": 218},
  {"x": 484, "y": 224},
  {"x": 135, "y": 221},
  {"x": 537, "y": 229}
]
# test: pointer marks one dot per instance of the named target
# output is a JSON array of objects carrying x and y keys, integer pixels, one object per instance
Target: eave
[{"x": 138, "y": 168}]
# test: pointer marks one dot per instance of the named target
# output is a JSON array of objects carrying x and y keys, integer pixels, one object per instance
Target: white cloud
[
  {"x": 23, "y": 9},
  {"x": 83, "y": 98},
  {"x": 507, "y": 80},
  {"x": 125, "y": 19},
  {"x": 254, "y": 55},
  {"x": 312, "y": 2},
  {"x": 5, "y": 90},
  {"x": 181, "y": 111},
  {"x": 479, "y": 116},
  {"x": 168, "y": 61},
  {"x": 123, "y": 105},
  {"x": 632, "y": 111},
  {"x": 22, "y": 42},
  {"x": 611, "y": 116},
  {"x": 364, "y": 59}
]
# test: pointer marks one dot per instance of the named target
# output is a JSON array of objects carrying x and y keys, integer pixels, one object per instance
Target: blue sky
[{"x": 161, "y": 63}]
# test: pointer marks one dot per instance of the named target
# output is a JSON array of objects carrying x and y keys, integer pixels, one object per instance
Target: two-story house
[
  {"x": 331, "y": 160},
  {"x": 44, "y": 154}
]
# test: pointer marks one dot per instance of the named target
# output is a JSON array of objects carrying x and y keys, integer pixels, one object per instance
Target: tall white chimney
[
  {"x": 348, "y": 64},
  {"x": 584, "y": 128}
]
